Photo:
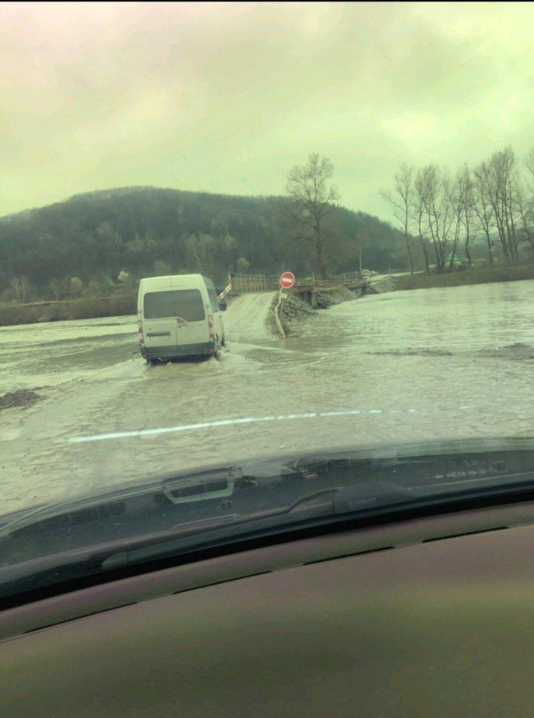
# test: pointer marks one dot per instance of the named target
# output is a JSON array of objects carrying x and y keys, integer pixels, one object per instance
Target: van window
[
  {"x": 184, "y": 303},
  {"x": 213, "y": 299}
]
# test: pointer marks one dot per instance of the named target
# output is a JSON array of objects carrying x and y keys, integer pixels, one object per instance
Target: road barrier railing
[{"x": 247, "y": 283}]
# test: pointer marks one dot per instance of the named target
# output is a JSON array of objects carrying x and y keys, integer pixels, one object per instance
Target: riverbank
[
  {"x": 119, "y": 305},
  {"x": 126, "y": 304},
  {"x": 464, "y": 278}
]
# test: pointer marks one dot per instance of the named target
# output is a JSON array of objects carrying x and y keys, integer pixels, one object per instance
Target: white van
[{"x": 178, "y": 316}]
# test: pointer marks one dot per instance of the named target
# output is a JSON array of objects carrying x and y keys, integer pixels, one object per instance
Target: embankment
[
  {"x": 119, "y": 305},
  {"x": 462, "y": 278},
  {"x": 295, "y": 310}
]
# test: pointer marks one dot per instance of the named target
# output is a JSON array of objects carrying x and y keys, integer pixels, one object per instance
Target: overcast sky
[{"x": 226, "y": 97}]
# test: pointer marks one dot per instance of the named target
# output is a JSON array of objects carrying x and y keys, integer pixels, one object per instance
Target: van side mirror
[{"x": 222, "y": 305}]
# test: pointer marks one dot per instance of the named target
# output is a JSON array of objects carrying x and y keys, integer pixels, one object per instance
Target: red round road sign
[{"x": 287, "y": 280}]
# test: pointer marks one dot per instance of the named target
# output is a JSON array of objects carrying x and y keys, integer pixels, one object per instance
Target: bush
[
  {"x": 76, "y": 286},
  {"x": 8, "y": 295},
  {"x": 162, "y": 269},
  {"x": 243, "y": 265}
]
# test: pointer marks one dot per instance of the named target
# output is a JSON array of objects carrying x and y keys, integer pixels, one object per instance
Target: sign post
[{"x": 287, "y": 280}]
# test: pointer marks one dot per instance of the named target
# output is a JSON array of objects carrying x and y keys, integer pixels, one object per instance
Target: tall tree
[
  {"x": 401, "y": 200},
  {"x": 460, "y": 198},
  {"x": 525, "y": 208},
  {"x": 313, "y": 197},
  {"x": 419, "y": 204},
  {"x": 22, "y": 286},
  {"x": 201, "y": 253},
  {"x": 501, "y": 185},
  {"x": 483, "y": 208},
  {"x": 467, "y": 216},
  {"x": 438, "y": 209},
  {"x": 529, "y": 163}
]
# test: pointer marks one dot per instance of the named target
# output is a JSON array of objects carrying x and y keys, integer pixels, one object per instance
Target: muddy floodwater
[{"x": 404, "y": 366}]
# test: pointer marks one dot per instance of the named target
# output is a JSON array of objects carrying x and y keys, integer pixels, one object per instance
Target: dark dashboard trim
[{"x": 214, "y": 567}]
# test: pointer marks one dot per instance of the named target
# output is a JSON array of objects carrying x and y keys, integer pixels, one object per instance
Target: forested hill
[{"x": 147, "y": 230}]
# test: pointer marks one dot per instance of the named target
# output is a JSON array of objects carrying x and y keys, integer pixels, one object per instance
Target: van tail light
[
  {"x": 212, "y": 330},
  {"x": 140, "y": 330}
]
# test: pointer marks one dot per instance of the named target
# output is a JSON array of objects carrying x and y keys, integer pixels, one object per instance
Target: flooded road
[
  {"x": 404, "y": 366},
  {"x": 36, "y": 355},
  {"x": 452, "y": 319}
]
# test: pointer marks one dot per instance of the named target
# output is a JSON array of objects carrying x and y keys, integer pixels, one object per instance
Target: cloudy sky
[{"x": 226, "y": 97}]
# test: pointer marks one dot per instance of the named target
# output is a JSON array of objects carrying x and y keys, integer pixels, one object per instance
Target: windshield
[
  {"x": 345, "y": 192},
  {"x": 183, "y": 303}
]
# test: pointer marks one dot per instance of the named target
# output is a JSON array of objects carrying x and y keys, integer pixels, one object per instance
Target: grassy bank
[
  {"x": 120, "y": 305},
  {"x": 462, "y": 278}
]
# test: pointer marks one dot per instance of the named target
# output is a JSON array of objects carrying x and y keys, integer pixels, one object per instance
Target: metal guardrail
[
  {"x": 246, "y": 283},
  {"x": 225, "y": 291}
]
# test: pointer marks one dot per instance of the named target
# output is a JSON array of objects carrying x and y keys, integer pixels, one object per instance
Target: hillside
[{"x": 143, "y": 230}]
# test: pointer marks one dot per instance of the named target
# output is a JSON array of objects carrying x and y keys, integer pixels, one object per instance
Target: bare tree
[
  {"x": 438, "y": 209},
  {"x": 22, "y": 286},
  {"x": 201, "y": 251},
  {"x": 419, "y": 203},
  {"x": 482, "y": 206},
  {"x": 461, "y": 199},
  {"x": 313, "y": 199},
  {"x": 501, "y": 177},
  {"x": 468, "y": 208},
  {"x": 525, "y": 201},
  {"x": 529, "y": 163},
  {"x": 401, "y": 200},
  {"x": 455, "y": 200},
  {"x": 525, "y": 208}
]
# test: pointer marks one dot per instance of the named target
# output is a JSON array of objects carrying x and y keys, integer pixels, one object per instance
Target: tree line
[
  {"x": 441, "y": 214},
  {"x": 97, "y": 243}
]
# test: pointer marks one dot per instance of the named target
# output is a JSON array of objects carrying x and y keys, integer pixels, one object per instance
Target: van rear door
[
  {"x": 159, "y": 329},
  {"x": 191, "y": 314},
  {"x": 175, "y": 317}
]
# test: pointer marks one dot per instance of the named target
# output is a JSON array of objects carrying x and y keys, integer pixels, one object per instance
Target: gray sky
[{"x": 226, "y": 97}]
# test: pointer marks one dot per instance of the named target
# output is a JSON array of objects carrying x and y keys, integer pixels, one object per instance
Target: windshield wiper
[
  {"x": 53, "y": 547},
  {"x": 72, "y": 565},
  {"x": 345, "y": 500}
]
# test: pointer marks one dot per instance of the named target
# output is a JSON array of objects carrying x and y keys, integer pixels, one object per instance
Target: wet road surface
[{"x": 404, "y": 366}]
